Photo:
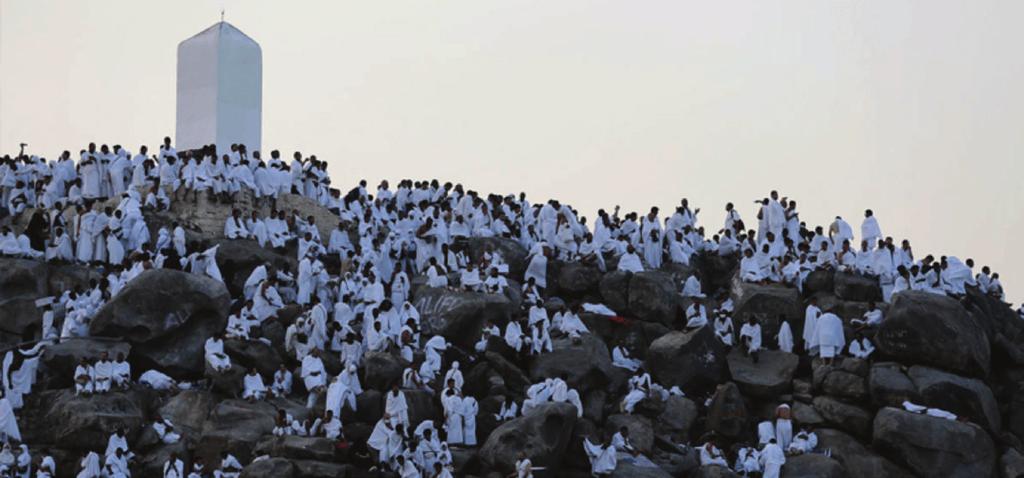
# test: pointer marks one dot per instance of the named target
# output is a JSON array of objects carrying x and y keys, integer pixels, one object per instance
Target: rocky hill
[{"x": 963, "y": 356}]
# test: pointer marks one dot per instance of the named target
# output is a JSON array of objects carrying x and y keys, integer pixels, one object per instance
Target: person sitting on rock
[
  {"x": 122, "y": 377},
  {"x": 103, "y": 374},
  {"x": 871, "y": 318},
  {"x": 750, "y": 338},
  {"x": 198, "y": 468},
  {"x": 253, "y": 386},
  {"x": 215, "y": 356},
  {"x": 748, "y": 461},
  {"x": 84, "y": 378},
  {"x": 860, "y": 347},
  {"x": 751, "y": 270},
  {"x": 282, "y": 384},
  {"x": 622, "y": 359},
  {"x": 602, "y": 457},
  {"x": 696, "y": 315},
  {"x": 711, "y": 455},
  {"x": 804, "y": 442},
  {"x": 165, "y": 430},
  {"x": 229, "y": 466}
]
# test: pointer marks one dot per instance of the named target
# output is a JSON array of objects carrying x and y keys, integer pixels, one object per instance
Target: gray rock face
[
  {"x": 857, "y": 459},
  {"x": 269, "y": 468},
  {"x": 858, "y": 288},
  {"x": 890, "y": 386},
  {"x": 80, "y": 422},
  {"x": 767, "y": 303},
  {"x": 641, "y": 431},
  {"x": 845, "y": 416},
  {"x": 167, "y": 315},
  {"x": 834, "y": 380},
  {"x": 253, "y": 353},
  {"x": 614, "y": 289},
  {"x": 770, "y": 377},
  {"x": 654, "y": 297},
  {"x": 543, "y": 435},
  {"x": 727, "y": 414},
  {"x": 575, "y": 279},
  {"x": 59, "y": 360},
  {"x": 235, "y": 426},
  {"x": 586, "y": 365},
  {"x": 188, "y": 411},
  {"x": 931, "y": 446},
  {"x": 678, "y": 417},
  {"x": 933, "y": 330},
  {"x": 812, "y": 466},
  {"x": 629, "y": 470},
  {"x": 968, "y": 397},
  {"x": 695, "y": 360},
  {"x": 459, "y": 316},
  {"x": 296, "y": 447},
  {"x": 382, "y": 370}
]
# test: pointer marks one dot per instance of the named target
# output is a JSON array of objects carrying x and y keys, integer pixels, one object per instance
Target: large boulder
[
  {"x": 845, "y": 416},
  {"x": 641, "y": 431},
  {"x": 838, "y": 382},
  {"x": 458, "y": 315},
  {"x": 963, "y": 396},
  {"x": 235, "y": 426},
  {"x": 812, "y": 465},
  {"x": 614, "y": 289},
  {"x": 297, "y": 447},
  {"x": 167, "y": 315},
  {"x": 382, "y": 370},
  {"x": 269, "y": 468},
  {"x": 727, "y": 413},
  {"x": 80, "y": 422},
  {"x": 253, "y": 353},
  {"x": 889, "y": 385},
  {"x": 857, "y": 459},
  {"x": 678, "y": 417},
  {"x": 931, "y": 446},
  {"x": 188, "y": 410},
  {"x": 934, "y": 330},
  {"x": 694, "y": 360},
  {"x": 59, "y": 360},
  {"x": 625, "y": 469},
  {"x": 586, "y": 365},
  {"x": 654, "y": 296},
  {"x": 857, "y": 288},
  {"x": 770, "y": 377},
  {"x": 575, "y": 279},
  {"x": 543, "y": 435},
  {"x": 767, "y": 303}
]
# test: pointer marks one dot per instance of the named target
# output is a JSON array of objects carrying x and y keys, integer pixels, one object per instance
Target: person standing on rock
[
  {"x": 829, "y": 335},
  {"x": 750, "y": 338},
  {"x": 810, "y": 336},
  {"x": 772, "y": 457}
]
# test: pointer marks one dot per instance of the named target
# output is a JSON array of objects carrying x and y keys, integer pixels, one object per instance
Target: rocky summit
[{"x": 346, "y": 341}]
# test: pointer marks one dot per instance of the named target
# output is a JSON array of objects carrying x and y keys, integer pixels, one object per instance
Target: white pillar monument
[{"x": 220, "y": 89}]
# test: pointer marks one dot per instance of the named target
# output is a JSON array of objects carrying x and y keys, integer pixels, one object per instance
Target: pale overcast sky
[{"x": 912, "y": 108}]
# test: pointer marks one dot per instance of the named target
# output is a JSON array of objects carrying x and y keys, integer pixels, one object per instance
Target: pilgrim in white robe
[
  {"x": 829, "y": 334},
  {"x": 469, "y": 409}
]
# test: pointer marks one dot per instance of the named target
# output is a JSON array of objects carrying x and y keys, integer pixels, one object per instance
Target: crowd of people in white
[{"x": 93, "y": 211}]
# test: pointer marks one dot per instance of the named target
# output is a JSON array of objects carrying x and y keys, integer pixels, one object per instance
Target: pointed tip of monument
[{"x": 220, "y": 28}]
